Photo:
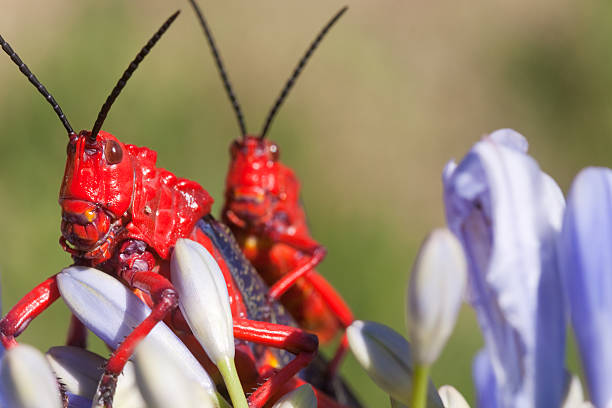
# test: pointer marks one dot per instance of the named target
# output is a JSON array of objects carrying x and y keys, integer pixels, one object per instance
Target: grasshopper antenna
[
  {"x": 41, "y": 88},
  {"x": 298, "y": 69},
  {"x": 221, "y": 69},
  {"x": 126, "y": 75}
]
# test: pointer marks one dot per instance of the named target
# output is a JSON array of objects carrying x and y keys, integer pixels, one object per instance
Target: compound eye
[
  {"x": 112, "y": 152},
  {"x": 274, "y": 151}
]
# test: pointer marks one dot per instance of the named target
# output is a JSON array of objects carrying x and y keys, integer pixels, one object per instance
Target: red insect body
[
  {"x": 263, "y": 210},
  {"x": 123, "y": 215}
]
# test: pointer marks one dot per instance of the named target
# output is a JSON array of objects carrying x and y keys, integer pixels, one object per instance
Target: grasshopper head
[
  {"x": 96, "y": 190},
  {"x": 252, "y": 186}
]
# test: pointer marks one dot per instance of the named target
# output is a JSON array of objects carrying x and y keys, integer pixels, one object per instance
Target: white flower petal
[
  {"x": 127, "y": 394},
  {"x": 203, "y": 298},
  {"x": 301, "y": 397},
  {"x": 77, "y": 368},
  {"x": 26, "y": 379},
  {"x": 436, "y": 289},
  {"x": 80, "y": 371},
  {"x": 163, "y": 383},
  {"x": 111, "y": 311},
  {"x": 452, "y": 398},
  {"x": 574, "y": 398}
]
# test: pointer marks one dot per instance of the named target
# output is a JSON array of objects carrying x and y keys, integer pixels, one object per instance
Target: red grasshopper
[
  {"x": 263, "y": 210},
  {"x": 123, "y": 215}
]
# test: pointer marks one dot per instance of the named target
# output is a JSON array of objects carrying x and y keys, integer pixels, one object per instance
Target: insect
[
  {"x": 122, "y": 214},
  {"x": 263, "y": 210}
]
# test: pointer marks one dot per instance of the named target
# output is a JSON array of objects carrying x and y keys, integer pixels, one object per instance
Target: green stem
[
  {"x": 230, "y": 376},
  {"x": 221, "y": 402},
  {"x": 419, "y": 386}
]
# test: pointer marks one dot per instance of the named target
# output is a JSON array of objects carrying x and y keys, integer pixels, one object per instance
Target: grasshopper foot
[{"x": 106, "y": 391}]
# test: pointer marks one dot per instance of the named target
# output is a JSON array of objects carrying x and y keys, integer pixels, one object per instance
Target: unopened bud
[
  {"x": 157, "y": 374},
  {"x": 435, "y": 292},
  {"x": 26, "y": 379},
  {"x": 385, "y": 355},
  {"x": 301, "y": 397},
  {"x": 204, "y": 301},
  {"x": 80, "y": 371},
  {"x": 452, "y": 398}
]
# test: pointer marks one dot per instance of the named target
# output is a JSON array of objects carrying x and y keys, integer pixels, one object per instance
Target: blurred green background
[{"x": 396, "y": 90}]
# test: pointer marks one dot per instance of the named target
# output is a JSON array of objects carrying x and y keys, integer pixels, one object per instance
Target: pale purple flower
[
  {"x": 586, "y": 264},
  {"x": 76, "y": 401},
  {"x": 508, "y": 213},
  {"x": 484, "y": 381}
]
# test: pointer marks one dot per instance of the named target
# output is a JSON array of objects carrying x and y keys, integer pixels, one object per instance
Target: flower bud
[
  {"x": 26, "y": 379},
  {"x": 80, "y": 371},
  {"x": 301, "y": 397},
  {"x": 203, "y": 299},
  {"x": 157, "y": 374},
  {"x": 452, "y": 398},
  {"x": 574, "y": 396},
  {"x": 435, "y": 291},
  {"x": 385, "y": 355}
]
